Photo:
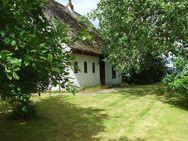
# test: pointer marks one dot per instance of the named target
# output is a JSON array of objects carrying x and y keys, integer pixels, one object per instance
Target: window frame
[
  {"x": 93, "y": 67},
  {"x": 114, "y": 75},
  {"x": 76, "y": 67},
  {"x": 85, "y": 67}
]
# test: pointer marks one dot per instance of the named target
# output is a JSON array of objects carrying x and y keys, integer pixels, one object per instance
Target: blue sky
[{"x": 83, "y": 6}]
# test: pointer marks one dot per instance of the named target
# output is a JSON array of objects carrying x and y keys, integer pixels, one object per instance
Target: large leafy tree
[
  {"x": 133, "y": 29},
  {"x": 32, "y": 53}
]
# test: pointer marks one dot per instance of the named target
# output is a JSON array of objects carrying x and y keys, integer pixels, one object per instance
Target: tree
[
  {"x": 153, "y": 70},
  {"x": 32, "y": 55},
  {"x": 132, "y": 28}
]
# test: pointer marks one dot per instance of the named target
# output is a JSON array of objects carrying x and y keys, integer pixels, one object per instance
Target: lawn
[{"x": 134, "y": 113}]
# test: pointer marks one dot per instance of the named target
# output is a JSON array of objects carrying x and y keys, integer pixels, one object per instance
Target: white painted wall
[
  {"x": 89, "y": 79},
  {"x": 82, "y": 79},
  {"x": 108, "y": 76}
]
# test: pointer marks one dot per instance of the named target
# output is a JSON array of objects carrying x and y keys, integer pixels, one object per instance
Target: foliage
[
  {"x": 132, "y": 28},
  {"x": 178, "y": 80},
  {"x": 153, "y": 70},
  {"x": 85, "y": 34},
  {"x": 32, "y": 55}
]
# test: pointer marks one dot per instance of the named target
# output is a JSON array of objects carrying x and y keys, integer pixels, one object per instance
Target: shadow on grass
[
  {"x": 176, "y": 101},
  {"x": 157, "y": 90},
  {"x": 141, "y": 90},
  {"x": 59, "y": 121},
  {"x": 124, "y": 138}
]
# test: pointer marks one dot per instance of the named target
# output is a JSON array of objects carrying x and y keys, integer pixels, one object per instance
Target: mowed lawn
[{"x": 134, "y": 113}]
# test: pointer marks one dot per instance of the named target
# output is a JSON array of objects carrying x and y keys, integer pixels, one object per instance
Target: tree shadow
[
  {"x": 124, "y": 138},
  {"x": 59, "y": 121},
  {"x": 158, "y": 91},
  {"x": 175, "y": 100},
  {"x": 141, "y": 90}
]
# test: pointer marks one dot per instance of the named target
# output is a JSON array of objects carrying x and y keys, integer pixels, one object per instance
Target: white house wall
[
  {"x": 89, "y": 79},
  {"x": 82, "y": 79},
  {"x": 108, "y": 76}
]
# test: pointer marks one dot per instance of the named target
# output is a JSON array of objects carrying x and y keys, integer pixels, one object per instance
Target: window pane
[
  {"x": 85, "y": 67},
  {"x": 113, "y": 73},
  {"x": 76, "y": 67},
  {"x": 93, "y": 66}
]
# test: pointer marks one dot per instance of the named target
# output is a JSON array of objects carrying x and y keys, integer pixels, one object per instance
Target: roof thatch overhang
[{"x": 70, "y": 18}]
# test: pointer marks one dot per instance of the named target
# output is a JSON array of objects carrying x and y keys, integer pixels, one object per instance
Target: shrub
[
  {"x": 178, "y": 80},
  {"x": 153, "y": 70},
  {"x": 25, "y": 111}
]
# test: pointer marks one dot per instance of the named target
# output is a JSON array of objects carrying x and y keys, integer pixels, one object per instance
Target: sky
[{"x": 83, "y": 7}]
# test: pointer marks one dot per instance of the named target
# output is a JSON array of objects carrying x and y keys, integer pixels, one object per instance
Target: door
[{"x": 102, "y": 71}]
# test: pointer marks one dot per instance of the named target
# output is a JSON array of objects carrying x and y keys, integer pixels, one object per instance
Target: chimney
[{"x": 70, "y": 6}]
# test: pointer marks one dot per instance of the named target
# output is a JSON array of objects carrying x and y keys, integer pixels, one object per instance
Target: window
[
  {"x": 85, "y": 67},
  {"x": 75, "y": 67},
  {"x": 93, "y": 67},
  {"x": 113, "y": 73}
]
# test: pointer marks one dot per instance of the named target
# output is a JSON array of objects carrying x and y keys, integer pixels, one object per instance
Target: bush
[
  {"x": 24, "y": 111},
  {"x": 152, "y": 70},
  {"x": 177, "y": 82}
]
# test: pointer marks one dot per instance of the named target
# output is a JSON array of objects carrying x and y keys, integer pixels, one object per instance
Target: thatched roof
[{"x": 70, "y": 18}]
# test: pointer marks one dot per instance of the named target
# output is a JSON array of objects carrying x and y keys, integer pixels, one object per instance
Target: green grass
[{"x": 135, "y": 113}]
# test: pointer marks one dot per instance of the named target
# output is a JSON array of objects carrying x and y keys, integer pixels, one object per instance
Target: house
[{"x": 93, "y": 70}]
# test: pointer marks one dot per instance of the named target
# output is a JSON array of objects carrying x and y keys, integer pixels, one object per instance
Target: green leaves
[
  {"x": 15, "y": 76},
  {"x": 13, "y": 43},
  {"x": 2, "y": 33},
  {"x": 31, "y": 52},
  {"x": 12, "y": 66},
  {"x": 84, "y": 35},
  {"x": 5, "y": 2},
  {"x": 177, "y": 80},
  {"x": 135, "y": 28},
  {"x": 50, "y": 57}
]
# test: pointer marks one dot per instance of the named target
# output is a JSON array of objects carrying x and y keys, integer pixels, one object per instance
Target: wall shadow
[{"x": 58, "y": 120}]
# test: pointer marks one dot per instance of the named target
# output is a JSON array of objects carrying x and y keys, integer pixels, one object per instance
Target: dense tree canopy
[
  {"x": 152, "y": 70},
  {"x": 139, "y": 36},
  {"x": 132, "y": 28},
  {"x": 32, "y": 55}
]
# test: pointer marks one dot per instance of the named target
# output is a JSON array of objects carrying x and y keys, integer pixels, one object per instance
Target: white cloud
[{"x": 83, "y": 6}]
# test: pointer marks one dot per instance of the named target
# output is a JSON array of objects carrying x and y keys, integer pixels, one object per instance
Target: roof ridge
[{"x": 66, "y": 16}]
